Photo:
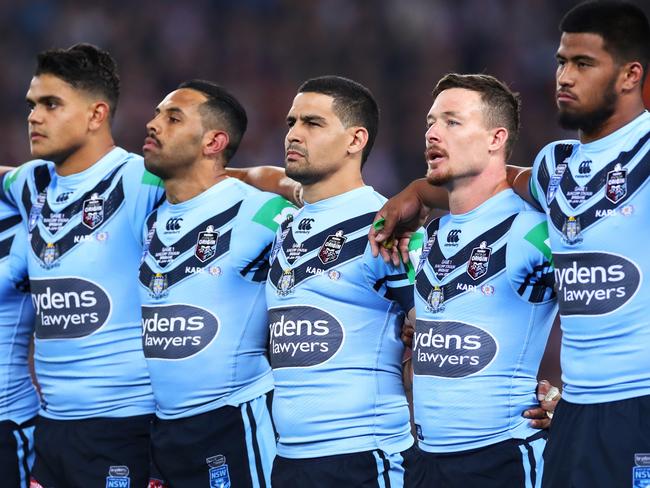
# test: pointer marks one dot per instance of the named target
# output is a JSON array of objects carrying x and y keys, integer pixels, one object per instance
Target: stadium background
[{"x": 263, "y": 49}]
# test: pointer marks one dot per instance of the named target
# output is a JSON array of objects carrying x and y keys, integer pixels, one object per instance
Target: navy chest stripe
[
  {"x": 42, "y": 178},
  {"x": 5, "y": 246},
  {"x": 261, "y": 260},
  {"x": 67, "y": 242},
  {"x": 188, "y": 241},
  {"x": 178, "y": 274},
  {"x": 599, "y": 179},
  {"x": 635, "y": 179},
  {"x": 9, "y": 222},
  {"x": 77, "y": 206},
  {"x": 451, "y": 290},
  {"x": 351, "y": 250},
  {"x": 316, "y": 241},
  {"x": 462, "y": 256}
]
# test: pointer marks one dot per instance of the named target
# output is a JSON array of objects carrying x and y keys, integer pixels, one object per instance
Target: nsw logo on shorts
[
  {"x": 118, "y": 477},
  {"x": 641, "y": 472},
  {"x": 219, "y": 475}
]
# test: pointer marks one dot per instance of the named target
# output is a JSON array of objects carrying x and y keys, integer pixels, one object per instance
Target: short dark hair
[
  {"x": 623, "y": 26},
  {"x": 502, "y": 105},
  {"x": 221, "y": 109},
  {"x": 353, "y": 104},
  {"x": 85, "y": 67}
]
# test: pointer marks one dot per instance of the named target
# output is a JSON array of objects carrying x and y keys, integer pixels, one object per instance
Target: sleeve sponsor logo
[
  {"x": 451, "y": 349},
  {"x": 594, "y": 283},
  {"x": 302, "y": 336},
  {"x": 176, "y": 331},
  {"x": 68, "y": 308}
]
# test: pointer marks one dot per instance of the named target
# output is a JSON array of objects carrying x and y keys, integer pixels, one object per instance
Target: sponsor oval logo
[
  {"x": 594, "y": 283},
  {"x": 68, "y": 308},
  {"x": 301, "y": 336},
  {"x": 451, "y": 349},
  {"x": 176, "y": 331}
]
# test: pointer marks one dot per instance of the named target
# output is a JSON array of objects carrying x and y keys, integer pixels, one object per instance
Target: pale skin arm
[{"x": 271, "y": 179}]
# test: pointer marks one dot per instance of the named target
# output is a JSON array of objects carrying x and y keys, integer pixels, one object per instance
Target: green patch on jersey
[
  {"x": 10, "y": 177},
  {"x": 151, "y": 179},
  {"x": 274, "y": 212},
  {"x": 415, "y": 249},
  {"x": 538, "y": 237},
  {"x": 533, "y": 189}
]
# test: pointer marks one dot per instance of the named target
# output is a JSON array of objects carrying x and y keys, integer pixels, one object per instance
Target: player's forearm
[
  {"x": 431, "y": 196},
  {"x": 519, "y": 179},
  {"x": 271, "y": 179}
]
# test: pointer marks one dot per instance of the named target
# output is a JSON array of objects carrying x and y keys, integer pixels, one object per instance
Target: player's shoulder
[
  {"x": 552, "y": 148},
  {"x": 24, "y": 171},
  {"x": 264, "y": 208}
]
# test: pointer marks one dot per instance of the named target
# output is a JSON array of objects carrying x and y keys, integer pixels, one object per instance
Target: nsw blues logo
[
  {"x": 572, "y": 231},
  {"x": 219, "y": 475},
  {"x": 436, "y": 300},
  {"x": 118, "y": 477},
  {"x": 49, "y": 256},
  {"x": 92, "y": 214},
  {"x": 286, "y": 283},
  {"x": 158, "y": 285},
  {"x": 641, "y": 472}
]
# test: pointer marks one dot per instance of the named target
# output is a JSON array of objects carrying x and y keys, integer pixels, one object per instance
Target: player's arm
[
  {"x": 548, "y": 397},
  {"x": 4, "y": 169},
  {"x": 519, "y": 179},
  {"x": 271, "y": 179},
  {"x": 403, "y": 214}
]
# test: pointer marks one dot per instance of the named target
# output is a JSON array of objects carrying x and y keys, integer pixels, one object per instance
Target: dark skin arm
[
  {"x": 407, "y": 211},
  {"x": 271, "y": 179}
]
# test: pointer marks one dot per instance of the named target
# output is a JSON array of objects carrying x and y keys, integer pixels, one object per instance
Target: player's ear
[
  {"x": 214, "y": 142},
  {"x": 98, "y": 114},
  {"x": 498, "y": 138},
  {"x": 359, "y": 139}
]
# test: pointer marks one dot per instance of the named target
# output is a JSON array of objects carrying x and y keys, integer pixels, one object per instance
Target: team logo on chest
[
  {"x": 93, "y": 211},
  {"x": 556, "y": 179},
  {"x": 158, "y": 285},
  {"x": 331, "y": 248},
  {"x": 436, "y": 299},
  {"x": 479, "y": 261},
  {"x": 49, "y": 256},
  {"x": 572, "y": 231},
  {"x": 206, "y": 244},
  {"x": 286, "y": 283},
  {"x": 616, "y": 184}
]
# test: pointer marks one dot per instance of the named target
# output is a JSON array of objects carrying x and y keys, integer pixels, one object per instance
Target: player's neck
[
  {"x": 466, "y": 194},
  {"x": 623, "y": 116},
  {"x": 332, "y": 185},
  {"x": 86, "y": 156},
  {"x": 189, "y": 184}
]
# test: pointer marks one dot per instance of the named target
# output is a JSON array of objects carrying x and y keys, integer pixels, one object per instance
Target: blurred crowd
[{"x": 263, "y": 49}]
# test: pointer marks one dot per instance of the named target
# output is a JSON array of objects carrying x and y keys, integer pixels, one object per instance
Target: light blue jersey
[
  {"x": 18, "y": 399},
  {"x": 597, "y": 198},
  {"x": 83, "y": 253},
  {"x": 334, "y": 325},
  {"x": 202, "y": 290},
  {"x": 484, "y": 306}
]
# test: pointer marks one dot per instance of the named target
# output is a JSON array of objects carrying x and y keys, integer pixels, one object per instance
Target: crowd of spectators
[{"x": 263, "y": 49}]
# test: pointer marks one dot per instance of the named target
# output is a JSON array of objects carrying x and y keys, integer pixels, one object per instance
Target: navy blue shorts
[
  {"x": 16, "y": 453},
  {"x": 229, "y": 446},
  {"x": 514, "y": 463},
  {"x": 599, "y": 445},
  {"x": 96, "y": 452},
  {"x": 367, "y": 469}
]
